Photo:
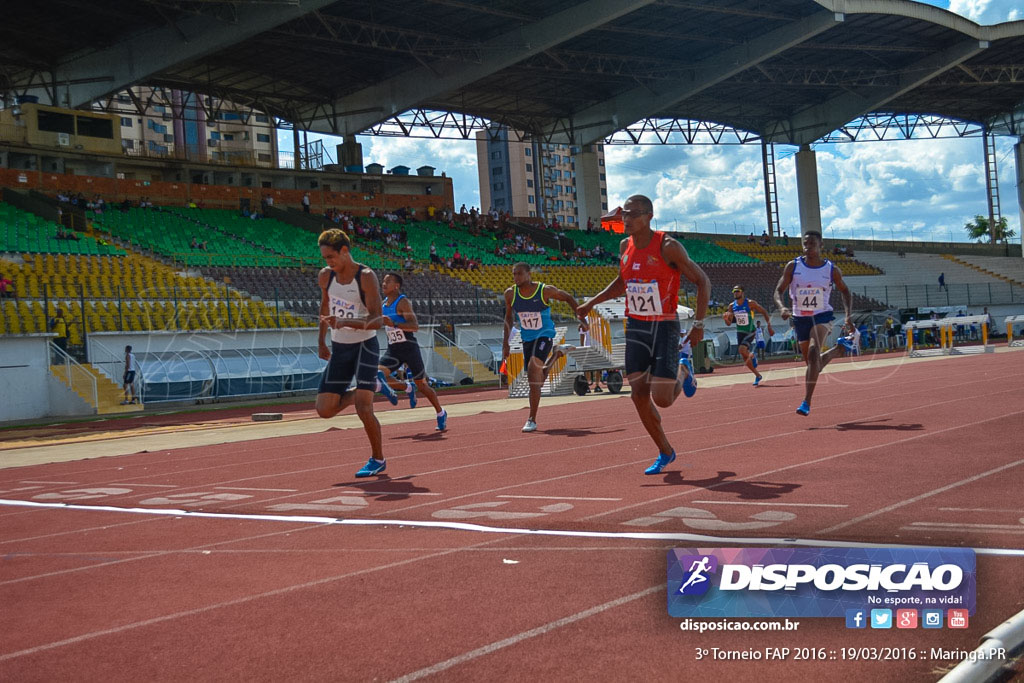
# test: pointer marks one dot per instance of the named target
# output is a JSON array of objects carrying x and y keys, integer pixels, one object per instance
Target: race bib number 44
[
  {"x": 810, "y": 300},
  {"x": 643, "y": 298},
  {"x": 530, "y": 320}
]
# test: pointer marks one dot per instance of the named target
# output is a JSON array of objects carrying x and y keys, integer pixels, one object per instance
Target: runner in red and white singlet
[{"x": 650, "y": 267}]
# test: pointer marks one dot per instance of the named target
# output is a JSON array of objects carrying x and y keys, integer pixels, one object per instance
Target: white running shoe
[{"x": 530, "y": 426}]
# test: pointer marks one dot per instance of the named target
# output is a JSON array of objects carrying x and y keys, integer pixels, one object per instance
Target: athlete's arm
[
  {"x": 508, "y": 323},
  {"x": 323, "y": 279},
  {"x": 784, "y": 282},
  {"x": 558, "y": 295},
  {"x": 754, "y": 306},
  {"x": 404, "y": 309},
  {"x": 615, "y": 289},
  {"x": 675, "y": 255},
  {"x": 844, "y": 291}
]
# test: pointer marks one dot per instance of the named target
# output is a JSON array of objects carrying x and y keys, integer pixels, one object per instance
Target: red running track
[{"x": 919, "y": 454}]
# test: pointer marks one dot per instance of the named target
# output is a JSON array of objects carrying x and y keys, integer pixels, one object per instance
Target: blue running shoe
[
  {"x": 442, "y": 421},
  {"x": 661, "y": 463},
  {"x": 845, "y": 343},
  {"x": 388, "y": 392},
  {"x": 372, "y": 467},
  {"x": 804, "y": 409},
  {"x": 690, "y": 383},
  {"x": 754, "y": 358},
  {"x": 412, "y": 395},
  {"x": 757, "y": 381}
]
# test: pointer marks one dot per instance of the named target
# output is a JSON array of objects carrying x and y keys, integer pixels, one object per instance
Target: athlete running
[
  {"x": 529, "y": 302},
  {"x": 350, "y": 308},
  {"x": 649, "y": 270},
  {"x": 741, "y": 311},
  {"x": 400, "y": 326},
  {"x": 809, "y": 279}
]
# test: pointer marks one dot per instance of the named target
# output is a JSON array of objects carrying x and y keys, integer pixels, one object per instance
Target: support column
[
  {"x": 350, "y": 153},
  {"x": 296, "y": 162},
  {"x": 1018, "y": 155},
  {"x": 807, "y": 190},
  {"x": 771, "y": 195},
  {"x": 588, "y": 185}
]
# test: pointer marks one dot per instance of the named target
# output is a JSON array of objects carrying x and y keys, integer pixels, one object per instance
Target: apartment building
[
  {"x": 536, "y": 179},
  {"x": 162, "y": 122}
]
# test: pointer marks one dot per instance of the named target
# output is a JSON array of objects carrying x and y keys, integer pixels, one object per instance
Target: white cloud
[{"x": 988, "y": 11}]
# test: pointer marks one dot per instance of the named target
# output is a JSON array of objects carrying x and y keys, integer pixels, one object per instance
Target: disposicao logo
[
  {"x": 697, "y": 580},
  {"x": 822, "y": 582}
]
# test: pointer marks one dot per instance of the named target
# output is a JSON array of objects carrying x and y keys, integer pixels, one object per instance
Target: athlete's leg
[
  {"x": 664, "y": 391},
  {"x": 640, "y": 392},
  {"x": 816, "y": 359},
  {"x": 363, "y": 400},
  {"x": 393, "y": 382},
  {"x": 424, "y": 388},
  {"x": 536, "y": 375},
  {"x": 329, "y": 404},
  {"x": 748, "y": 359}
]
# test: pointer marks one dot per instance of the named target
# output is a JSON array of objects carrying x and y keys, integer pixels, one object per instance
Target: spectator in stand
[
  {"x": 59, "y": 327},
  {"x": 305, "y": 202},
  {"x": 433, "y": 253},
  {"x": 751, "y": 239},
  {"x": 6, "y": 287},
  {"x": 942, "y": 282},
  {"x": 408, "y": 264}
]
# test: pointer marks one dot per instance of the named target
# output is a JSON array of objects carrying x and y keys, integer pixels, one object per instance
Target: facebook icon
[{"x": 856, "y": 618}]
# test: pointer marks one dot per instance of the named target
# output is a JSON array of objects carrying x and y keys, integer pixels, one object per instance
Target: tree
[{"x": 978, "y": 229}]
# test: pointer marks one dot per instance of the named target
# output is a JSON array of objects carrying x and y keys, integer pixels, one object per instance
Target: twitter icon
[{"x": 881, "y": 618}]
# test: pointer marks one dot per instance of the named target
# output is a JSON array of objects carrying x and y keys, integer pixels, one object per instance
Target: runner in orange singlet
[{"x": 649, "y": 269}]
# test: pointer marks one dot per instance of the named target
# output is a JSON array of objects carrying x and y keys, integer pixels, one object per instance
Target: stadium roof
[{"x": 569, "y": 70}]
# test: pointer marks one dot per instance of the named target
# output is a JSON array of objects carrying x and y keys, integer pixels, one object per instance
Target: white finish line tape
[{"x": 462, "y": 526}]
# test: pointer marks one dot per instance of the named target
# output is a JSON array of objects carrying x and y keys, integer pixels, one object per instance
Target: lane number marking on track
[
  {"x": 333, "y": 504},
  {"x": 82, "y": 494},
  {"x": 705, "y": 520},
  {"x": 193, "y": 498},
  {"x": 487, "y": 511}
]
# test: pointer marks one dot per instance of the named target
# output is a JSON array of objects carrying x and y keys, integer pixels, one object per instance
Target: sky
[{"x": 905, "y": 190}]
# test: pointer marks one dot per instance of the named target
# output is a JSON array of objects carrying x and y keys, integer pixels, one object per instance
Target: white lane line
[
  {"x": 525, "y": 635},
  {"x": 795, "y": 465},
  {"x": 155, "y": 486},
  {"x": 1011, "y": 510},
  {"x": 244, "y": 488},
  {"x": 928, "y": 494},
  {"x": 391, "y": 493},
  {"x": 48, "y": 482},
  {"x": 463, "y": 526},
  {"x": 754, "y": 502},
  {"x": 961, "y": 525},
  {"x": 556, "y": 498},
  {"x": 226, "y": 603},
  {"x": 954, "y": 527}
]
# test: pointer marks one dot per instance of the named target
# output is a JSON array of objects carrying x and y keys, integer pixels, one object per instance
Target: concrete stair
[
  {"x": 1007, "y": 269},
  {"x": 466, "y": 364},
  {"x": 109, "y": 395}
]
